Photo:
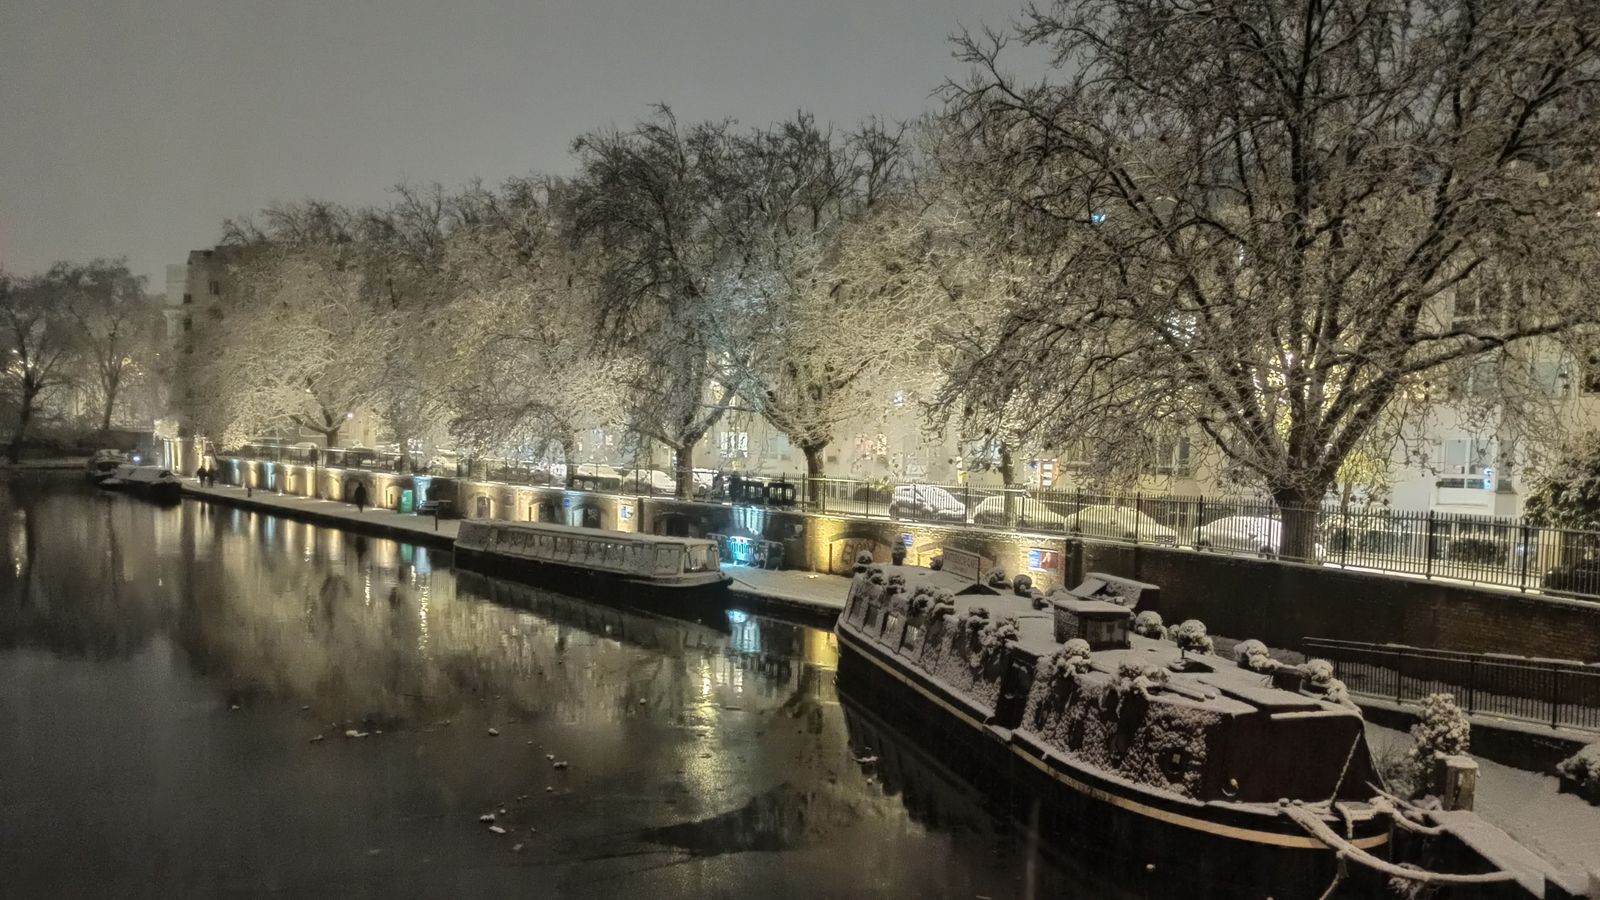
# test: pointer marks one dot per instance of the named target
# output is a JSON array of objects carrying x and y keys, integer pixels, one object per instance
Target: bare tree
[
  {"x": 1260, "y": 217},
  {"x": 37, "y": 344},
  {"x": 663, "y": 213},
  {"x": 115, "y": 325}
]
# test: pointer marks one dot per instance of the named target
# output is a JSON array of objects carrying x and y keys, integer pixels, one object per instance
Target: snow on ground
[{"x": 1526, "y": 805}]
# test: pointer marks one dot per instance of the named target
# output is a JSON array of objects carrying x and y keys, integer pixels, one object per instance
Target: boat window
[
  {"x": 546, "y": 545},
  {"x": 874, "y": 616},
  {"x": 912, "y": 641},
  {"x": 668, "y": 558},
  {"x": 639, "y": 558},
  {"x": 693, "y": 561},
  {"x": 563, "y": 547},
  {"x": 891, "y": 623},
  {"x": 615, "y": 555}
]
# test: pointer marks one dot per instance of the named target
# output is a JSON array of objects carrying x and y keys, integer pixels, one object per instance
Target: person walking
[{"x": 361, "y": 498}]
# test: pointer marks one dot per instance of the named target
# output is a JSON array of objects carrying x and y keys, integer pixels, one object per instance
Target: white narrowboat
[{"x": 606, "y": 565}]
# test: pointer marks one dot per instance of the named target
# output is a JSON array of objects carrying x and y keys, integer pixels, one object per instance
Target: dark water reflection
[{"x": 165, "y": 675}]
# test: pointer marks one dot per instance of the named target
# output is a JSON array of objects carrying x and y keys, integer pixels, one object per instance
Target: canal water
[{"x": 198, "y": 701}]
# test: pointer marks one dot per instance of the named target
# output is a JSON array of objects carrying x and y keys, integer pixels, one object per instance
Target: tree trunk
[
  {"x": 330, "y": 436},
  {"x": 111, "y": 404},
  {"x": 1007, "y": 478},
  {"x": 683, "y": 472},
  {"x": 814, "y": 471},
  {"x": 569, "y": 453},
  {"x": 1297, "y": 510},
  {"x": 24, "y": 416}
]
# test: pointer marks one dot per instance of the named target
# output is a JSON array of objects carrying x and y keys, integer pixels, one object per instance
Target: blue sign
[
  {"x": 1488, "y": 478},
  {"x": 905, "y": 539},
  {"x": 626, "y": 512},
  {"x": 566, "y": 502}
]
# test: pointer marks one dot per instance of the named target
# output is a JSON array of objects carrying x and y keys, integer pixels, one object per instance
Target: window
[
  {"x": 1465, "y": 456},
  {"x": 215, "y": 287},
  {"x": 1481, "y": 302},
  {"x": 778, "y": 444},
  {"x": 1172, "y": 457},
  {"x": 188, "y": 298},
  {"x": 188, "y": 324},
  {"x": 733, "y": 444}
]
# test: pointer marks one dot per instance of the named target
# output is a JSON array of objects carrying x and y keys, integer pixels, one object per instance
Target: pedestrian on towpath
[{"x": 361, "y": 498}]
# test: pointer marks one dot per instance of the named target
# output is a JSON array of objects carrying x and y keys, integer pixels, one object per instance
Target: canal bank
[{"x": 810, "y": 597}]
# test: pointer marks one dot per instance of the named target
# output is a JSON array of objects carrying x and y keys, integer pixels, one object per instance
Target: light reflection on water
[{"x": 693, "y": 739}]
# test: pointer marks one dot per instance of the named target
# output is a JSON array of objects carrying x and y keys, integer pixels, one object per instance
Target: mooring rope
[{"x": 1346, "y": 850}]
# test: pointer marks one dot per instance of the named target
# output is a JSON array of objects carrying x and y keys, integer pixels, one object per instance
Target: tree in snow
[
  {"x": 115, "y": 324},
  {"x": 37, "y": 342},
  {"x": 830, "y": 305},
  {"x": 1266, "y": 220},
  {"x": 527, "y": 368},
  {"x": 664, "y": 217},
  {"x": 1566, "y": 493},
  {"x": 302, "y": 345}
]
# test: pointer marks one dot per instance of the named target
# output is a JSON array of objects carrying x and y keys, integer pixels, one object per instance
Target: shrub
[
  {"x": 1319, "y": 672},
  {"x": 1245, "y": 651},
  {"x": 1192, "y": 638},
  {"x": 1148, "y": 623},
  {"x": 1442, "y": 729},
  {"x": 1580, "y": 772},
  {"x": 1478, "y": 550}
]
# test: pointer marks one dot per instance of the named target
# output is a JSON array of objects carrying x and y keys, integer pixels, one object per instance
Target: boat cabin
[{"x": 635, "y": 556}]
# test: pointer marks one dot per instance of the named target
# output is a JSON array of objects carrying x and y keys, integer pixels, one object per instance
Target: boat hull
[
  {"x": 159, "y": 492},
  {"x": 609, "y": 587},
  {"x": 1216, "y": 851}
]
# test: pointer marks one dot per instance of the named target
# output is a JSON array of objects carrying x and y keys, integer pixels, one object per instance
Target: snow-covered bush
[
  {"x": 1442, "y": 729},
  {"x": 897, "y": 580},
  {"x": 1253, "y": 655},
  {"x": 1148, "y": 623},
  {"x": 944, "y": 603},
  {"x": 1021, "y": 585},
  {"x": 1140, "y": 677},
  {"x": 1580, "y": 773},
  {"x": 1192, "y": 638},
  {"x": 998, "y": 579},
  {"x": 1336, "y": 692},
  {"x": 921, "y": 598},
  {"x": 992, "y": 638},
  {"x": 1319, "y": 672},
  {"x": 863, "y": 561},
  {"x": 875, "y": 575}
]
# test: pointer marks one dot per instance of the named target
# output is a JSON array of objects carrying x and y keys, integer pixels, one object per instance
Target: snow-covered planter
[
  {"x": 920, "y": 601},
  {"x": 1580, "y": 773},
  {"x": 998, "y": 580},
  {"x": 1021, "y": 585},
  {"x": 863, "y": 561},
  {"x": 1148, "y": 623}
]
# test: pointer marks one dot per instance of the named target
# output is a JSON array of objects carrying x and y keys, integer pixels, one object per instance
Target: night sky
[{"x": 134, "y": 127}]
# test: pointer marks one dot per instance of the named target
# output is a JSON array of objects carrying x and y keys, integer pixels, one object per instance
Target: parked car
[
  {"x": 1030, "y": 513},
  {"x": 648, "y": 481},
  {"x": 925, "y": 501},
  {"x": 1261, "y": 535},
  {"x": 1581, "y": 577},
  {"x": 1119, "y": 523},
  {"x": 596, "y": 477}
]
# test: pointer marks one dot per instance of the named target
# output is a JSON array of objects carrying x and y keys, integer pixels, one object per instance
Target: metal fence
[
  {"x": 1556, "y": 693},
  {"x": 1477, "y": 549}
]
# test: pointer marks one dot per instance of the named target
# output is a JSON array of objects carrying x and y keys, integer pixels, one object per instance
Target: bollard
[{"x": 1458, "y": 776}]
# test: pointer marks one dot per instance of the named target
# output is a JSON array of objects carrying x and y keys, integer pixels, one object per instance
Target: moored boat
[
  {"x": 102, "y": 465},
  {"x": 150, "y": 482},
  {"x": 606, "y": 565},
  {"x": 1251, "y": 779}
]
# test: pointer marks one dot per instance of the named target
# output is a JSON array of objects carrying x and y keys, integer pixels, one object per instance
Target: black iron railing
[{"x": 1556, "y": 693}]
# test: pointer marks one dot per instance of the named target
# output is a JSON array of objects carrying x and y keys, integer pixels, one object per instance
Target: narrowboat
[
  {"x": 1243, "y": 778},
  {"x": 604, "y": 565},
  {"x": 150, "y": 482}
]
